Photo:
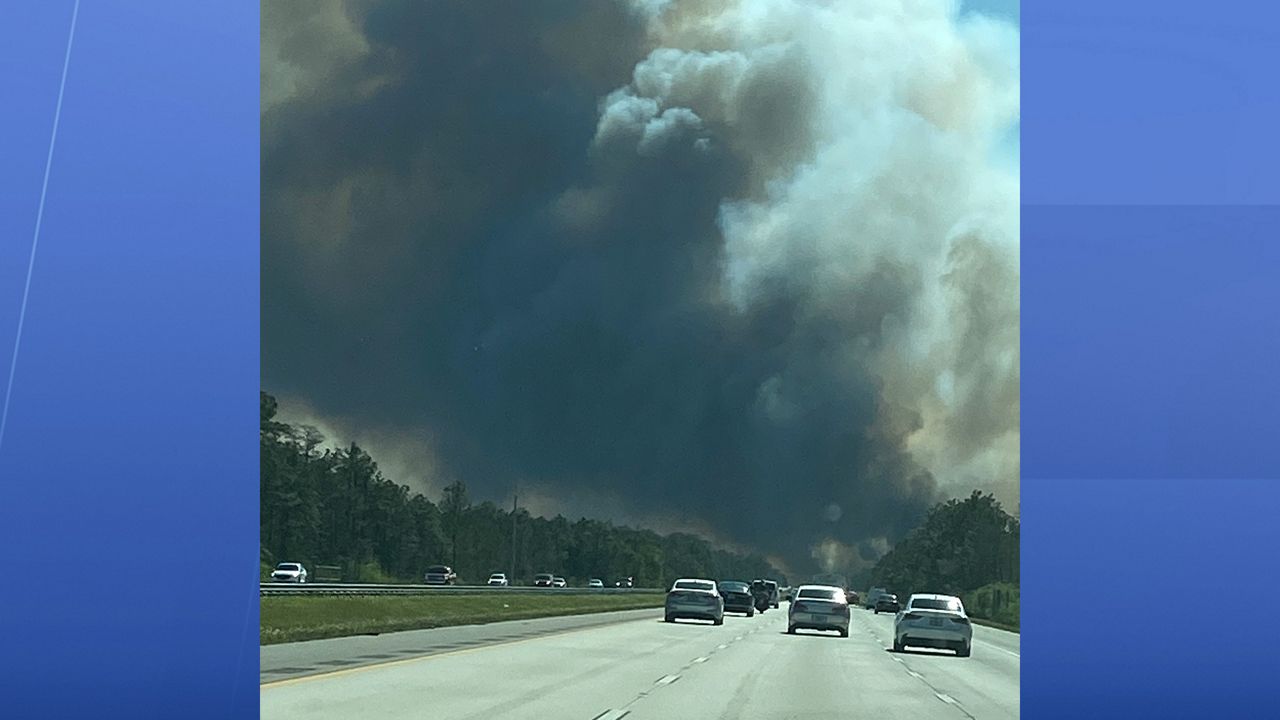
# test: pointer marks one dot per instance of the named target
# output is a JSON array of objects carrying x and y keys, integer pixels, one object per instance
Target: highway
[{"x": 633, "y": 665}]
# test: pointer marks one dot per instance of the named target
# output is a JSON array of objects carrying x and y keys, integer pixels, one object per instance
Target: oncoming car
[
  {"x": 289, "y": 572},
  {"x": 558, "y": 581},
  {"x": 936, "y": 621},
  {"x": 498, "y": 580},
  {"x": 440, "y": 575},
  {"x": 818, "y": 607},
  {"x": 695, "y": 599},
  {"x": 595, "y": 583},
  {"x": 887, "y": 603},
  {"x": 543, "y": 580}
]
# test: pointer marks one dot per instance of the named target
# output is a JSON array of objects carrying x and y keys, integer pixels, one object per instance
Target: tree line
[
  {"x": 334, "y": 507},
  {"x": 962, "y": 546}
]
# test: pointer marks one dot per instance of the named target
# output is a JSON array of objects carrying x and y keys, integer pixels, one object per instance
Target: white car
[
  {"x": 695, "y": 599},
  {"x": 289, "y": 572},
  {"x": 498, "y": 580},
  {"x": 819, "y": 607},
  {"x": 558, "y": 581},
  {"x": 936, "y": 621},
  {"x": 595, "y": 583}
]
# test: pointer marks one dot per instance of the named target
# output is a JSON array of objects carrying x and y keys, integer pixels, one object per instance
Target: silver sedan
[
  {"x": 935, "y": 621},
  {"x": 819, "y": 607},
  {"x": 695, "y": 599}
]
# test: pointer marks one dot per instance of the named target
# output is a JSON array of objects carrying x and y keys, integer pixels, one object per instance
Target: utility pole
[{"x": 514, "y": 504}]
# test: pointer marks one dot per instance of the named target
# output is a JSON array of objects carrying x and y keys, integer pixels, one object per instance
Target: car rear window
[
  {"x": 287, "y": 566},
  {"x": 936, "y": 604},
  {"x": 737, "y": 587},
  {"x": 439, "y": 569},
  {"x": 820, "y": 594},
  {"x": 543, "y": 577},
  {"x": 694, "y": 585}
]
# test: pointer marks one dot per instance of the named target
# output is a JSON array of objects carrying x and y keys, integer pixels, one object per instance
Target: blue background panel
[
  {"x": 1139, "y": 598},
  {"x": 1151, "y": 337},
  {"x": 1129, "y": 103},
  {"x": 128, "y": 470}
]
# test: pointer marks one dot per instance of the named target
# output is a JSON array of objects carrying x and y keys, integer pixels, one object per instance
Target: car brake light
[
  {"x": 961, "y": 620},
  {"x": 799, "y": 607},
  {"x": 911, "y": 616}
]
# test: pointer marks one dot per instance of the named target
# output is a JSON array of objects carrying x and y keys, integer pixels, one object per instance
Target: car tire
[
  {"x": 791, "y": 630},
  {"x": 963, "y": 651},
  {"x": 668, "y": 618},
  {"x": 844, "y": 633},
  {"x": 877, "y": 611},
  {"x": 718, "y": 621},
  {"x": 898, "y": 645},
  {"x": 751, "y": 613}
]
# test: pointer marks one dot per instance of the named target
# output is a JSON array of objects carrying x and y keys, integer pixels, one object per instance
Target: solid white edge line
[{"x": 997, "y": 647}]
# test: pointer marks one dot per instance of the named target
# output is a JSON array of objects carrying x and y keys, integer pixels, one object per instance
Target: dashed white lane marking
[
  {"x": 915, "y": 674},
  {"x": 612, "y": 715},
  {"x": 738, "y": 638},
  {"x": 667, "y": 679},
  {"x": 946, "y": 699},
  {"x": 721, "y": 647},
  {"x": 700, "y": 660}
]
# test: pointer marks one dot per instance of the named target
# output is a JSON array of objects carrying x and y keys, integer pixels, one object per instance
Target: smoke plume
[{"x": 742, "y": 265}]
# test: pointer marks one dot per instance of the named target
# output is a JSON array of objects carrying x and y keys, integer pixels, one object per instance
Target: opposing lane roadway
[{"x": 639, "y": 667}]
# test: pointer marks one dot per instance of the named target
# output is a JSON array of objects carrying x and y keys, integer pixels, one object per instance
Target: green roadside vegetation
[
  {"x": 333, "y": 507},
  {"x": 968, "y": 548},
  {"x": 996, "y": 605},
  {"x": 291, "y": 618}
]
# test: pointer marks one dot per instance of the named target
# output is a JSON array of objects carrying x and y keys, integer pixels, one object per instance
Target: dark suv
[{"x": 441, "y": 575}]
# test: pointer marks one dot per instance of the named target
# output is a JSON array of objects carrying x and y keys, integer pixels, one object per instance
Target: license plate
[{"x": 936, "y": 622}]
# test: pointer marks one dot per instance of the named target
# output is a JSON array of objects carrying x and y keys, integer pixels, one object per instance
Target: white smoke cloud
[{"x": 895, "y": 165}]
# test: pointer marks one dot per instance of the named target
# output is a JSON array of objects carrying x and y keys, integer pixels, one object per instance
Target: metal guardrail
[{"x": 285, "y": 588}]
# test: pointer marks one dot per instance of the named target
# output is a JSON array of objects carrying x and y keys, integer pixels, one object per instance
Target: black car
[
  {"x": 544, "y": 580},
  {"x": 625, "y": 582},
  {"x": 887, "y": 603},
  {"x": 737, "y": 597}
]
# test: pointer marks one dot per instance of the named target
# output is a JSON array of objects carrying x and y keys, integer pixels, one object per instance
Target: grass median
[{"x": 311, "y": 617}]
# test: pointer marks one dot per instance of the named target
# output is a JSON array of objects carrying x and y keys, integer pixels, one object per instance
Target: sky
[{"x": 747, "y": 268}]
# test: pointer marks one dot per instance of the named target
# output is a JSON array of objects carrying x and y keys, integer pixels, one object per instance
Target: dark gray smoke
[{"x": 743, "y": 267}]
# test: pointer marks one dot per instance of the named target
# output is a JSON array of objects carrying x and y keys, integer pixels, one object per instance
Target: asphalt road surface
[{"x": 634, "y": 665}]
